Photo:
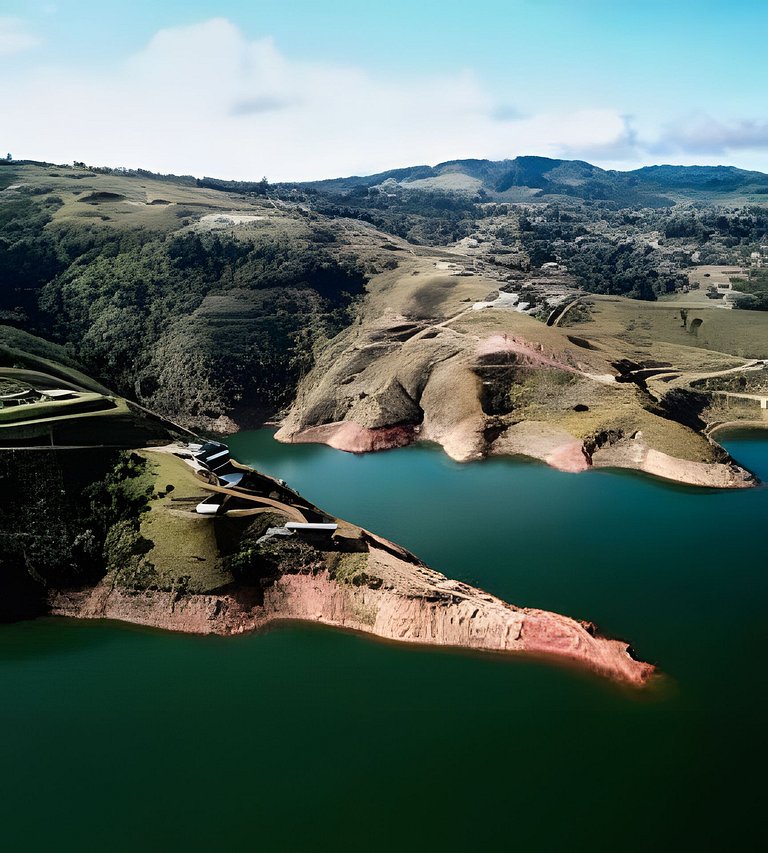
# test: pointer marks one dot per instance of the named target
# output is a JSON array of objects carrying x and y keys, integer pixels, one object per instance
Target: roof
[
  {"x": 17, "y": 395},
  {"x": 59, "y": 393}
]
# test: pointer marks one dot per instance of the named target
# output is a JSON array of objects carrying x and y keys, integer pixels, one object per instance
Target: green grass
[
  {"x": 53, "y": 409},
  {"x": 184, "y": 544},
  {"x": 21, "y": 350},
  {"x": 352, "y": 569},
  {"x": 739, "y": 333},
  {"x": 134, "y": 209}
]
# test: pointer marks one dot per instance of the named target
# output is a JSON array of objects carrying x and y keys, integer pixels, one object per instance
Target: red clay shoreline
[
  {"x": 451, "y": 615},
  {"x": 556, "y": 449}
]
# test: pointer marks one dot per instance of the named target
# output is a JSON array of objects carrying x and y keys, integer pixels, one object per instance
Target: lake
[{"x": 304, "y": 738}]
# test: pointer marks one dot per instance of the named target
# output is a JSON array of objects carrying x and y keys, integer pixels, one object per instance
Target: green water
[{"x": 308, "y": 739}]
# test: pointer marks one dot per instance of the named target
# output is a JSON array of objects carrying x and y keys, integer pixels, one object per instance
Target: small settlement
[{"x": 238, "y": 491}]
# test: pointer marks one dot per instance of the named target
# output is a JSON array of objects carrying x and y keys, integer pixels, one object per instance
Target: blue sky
[{"x": 299, "y": 89}]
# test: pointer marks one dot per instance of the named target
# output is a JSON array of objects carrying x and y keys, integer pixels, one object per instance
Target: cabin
[
  {"x": 56, "y": 394},
  {"x": 234, "y": 496},
  {"x": 19, "y": 398},
  {"x": 214, "y": 456}
]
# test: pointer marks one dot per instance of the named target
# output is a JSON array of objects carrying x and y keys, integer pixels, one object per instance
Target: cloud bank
[{"x": 205, "y": 99}]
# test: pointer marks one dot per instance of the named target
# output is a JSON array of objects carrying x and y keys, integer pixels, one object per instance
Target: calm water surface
[{"x": 309, "y": 739}]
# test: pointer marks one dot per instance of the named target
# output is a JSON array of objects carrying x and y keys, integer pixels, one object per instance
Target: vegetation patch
[
  {"x": 352, "y": 569},
  {"x": 509, "y": 386},
  {"x": 253, "y": 558},
  {"x": 99, "y": 197},
  {"x": 72, "y": 516},
  {"x": 755, "y": 289},
  {"x": 364, "y": 613},
  {"x": 746, "y": 382}
]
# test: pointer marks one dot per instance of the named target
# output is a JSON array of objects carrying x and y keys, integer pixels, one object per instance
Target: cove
[{"x": 310, "y": 739}]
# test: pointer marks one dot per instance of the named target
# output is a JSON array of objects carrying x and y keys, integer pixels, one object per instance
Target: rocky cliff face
[{"x": 413, "y": 604}]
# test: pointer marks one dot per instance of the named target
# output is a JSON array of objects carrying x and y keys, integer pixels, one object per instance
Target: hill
[
  {"x": 193, "y": 301},
  {"x": 222, "y": 304},
  {"x": 526, "y": 178}
]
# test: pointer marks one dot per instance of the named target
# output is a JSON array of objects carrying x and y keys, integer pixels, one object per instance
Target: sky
[{"x": 307, "y": 89}]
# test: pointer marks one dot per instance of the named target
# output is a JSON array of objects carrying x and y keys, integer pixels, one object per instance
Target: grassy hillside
[
  {"x": 410, "y": 301},
  {"x": 208, "y": 301}
]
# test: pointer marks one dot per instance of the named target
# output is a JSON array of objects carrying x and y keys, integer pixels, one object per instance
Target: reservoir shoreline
[
  {"x": 534, "y": 441},
  {"x": 483, "y": 734}
]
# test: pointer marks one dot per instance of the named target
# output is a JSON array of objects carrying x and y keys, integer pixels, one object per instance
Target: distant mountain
[
  {"x": 706, "y": 178},
  {"x": 533, "y": 177}
]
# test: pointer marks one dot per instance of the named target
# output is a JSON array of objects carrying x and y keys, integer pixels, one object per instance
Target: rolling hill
[{"x": 538, "y": 177}]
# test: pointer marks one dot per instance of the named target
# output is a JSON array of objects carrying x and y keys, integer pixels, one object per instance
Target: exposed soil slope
[{"x": 499, "y": 382}]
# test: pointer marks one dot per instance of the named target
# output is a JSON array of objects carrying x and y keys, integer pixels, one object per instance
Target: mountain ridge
[
  {"x": 551, "y": 176},
  {"x": 515, "y": 179}
]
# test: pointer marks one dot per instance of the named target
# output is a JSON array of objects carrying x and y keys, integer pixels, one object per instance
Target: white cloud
[
  {"x": 705, "y": 134},
  {"x": 15, "y": 37},
  {"x": 204, "y": 99}
]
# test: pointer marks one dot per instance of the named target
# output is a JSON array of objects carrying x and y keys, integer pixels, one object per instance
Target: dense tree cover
[
  {"x": 640, "y": 253},
  {"x": 756, "y": 289},
  {"x": 600, "y": 263},
  {"x": 429, "y": 217},
  {"x": 29, "y": 256},
  {"x": 744, "y": 226},
  {"x": 191, "y": 324},
  {"x": 621, "y": 268},
  {"x": 194, "y": 324},
  {"x": 56, "y": 529},
  {"x": 256, "y": 187},
  {"x": 604, "y": 237}
]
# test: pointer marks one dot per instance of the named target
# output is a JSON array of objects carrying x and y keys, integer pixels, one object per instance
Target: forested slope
[
  {"x": 208, "y": 301},
  {"x": 193, "y": 318}
]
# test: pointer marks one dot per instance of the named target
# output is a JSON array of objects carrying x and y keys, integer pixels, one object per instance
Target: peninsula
[
  {"x": 534, "y": 307},
  {"x": 119, "y": 514}
]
